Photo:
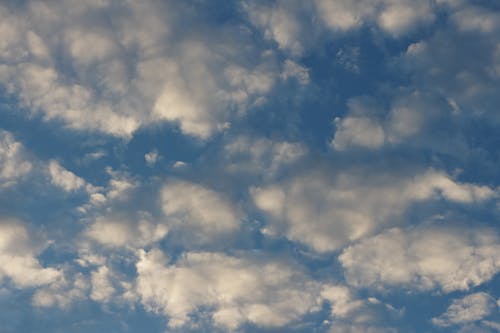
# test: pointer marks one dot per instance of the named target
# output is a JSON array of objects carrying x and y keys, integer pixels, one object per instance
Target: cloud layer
[{"x": 249, "y": 166}]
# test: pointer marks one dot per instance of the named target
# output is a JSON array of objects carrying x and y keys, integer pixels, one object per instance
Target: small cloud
[
  {"x": 348, "y": 57},
  {"x": 293, "y": 70},
  {"x": 63, "y": 178},
  {"x": 469, "y": 309},
  {"x": 14, "y": 163},
  {"x": 179, "y": 164},
  {"x": 358, "y": 132},
  {"x": 151, "y": 158}
]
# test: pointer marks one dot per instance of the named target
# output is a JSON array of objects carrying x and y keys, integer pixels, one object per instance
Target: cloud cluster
[
  {"x": 328, "y": 137},
  {"x": 326, "y": 211},
  {"x": 236, "y": 290},
  {"x": 423, "y": 258},
  {"x": 115, "y": 75}
]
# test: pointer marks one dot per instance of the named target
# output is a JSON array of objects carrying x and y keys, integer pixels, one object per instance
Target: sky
[{"x": 325, "y": 166}]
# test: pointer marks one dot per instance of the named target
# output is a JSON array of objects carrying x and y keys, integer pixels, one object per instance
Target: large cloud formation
[{"x": 249, "y": 166}]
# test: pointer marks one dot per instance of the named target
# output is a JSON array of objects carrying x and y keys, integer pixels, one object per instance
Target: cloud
[
  {"x": 14, "y": 161},
  {"x": 354, "y": 315},
  {"x": 236, "y": 290},
  {"x": 151, "y": 158},
  {"x": 393, "y": 17},
  {"x": 423, "y": 258},
  {"x": 279, "y": 23},
  {"x": 261, "y": 155},
  {"x": 326, "y": 211},
  {"x": 67, "y": 63},
  {"x": 468, "y": 309},
  {"x": 470, "y": 38},
  {"x": 357, "y": 131},
  {"x": 120, "y": 185},
  {"x": 102, "y": 288},
  {"x": 124, "y": 231},
  {"x": 18, "y": 257},
  {"x": 62, "y": 293},
  {"x": 201, "y": 213},
  {"x": 293, "y": 70},
  {"x": 63, "y": 178},
  {"x": 413, "y": 117}
]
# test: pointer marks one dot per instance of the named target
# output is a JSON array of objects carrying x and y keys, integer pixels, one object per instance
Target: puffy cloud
[
  {"x": 424, "y": 258},
  {"x": 14, "y": 162},
  {"x": 63, "y": 292},
  {"x": 120, "y": 184},
  {"x": 467, "y": 309},
  {"x": 357, "y": 131},
  {"x": 394, "y": 17},
  {"x": 63, "y": 178},
  {"x": 66, "y": 62},
  {"x": 293, "y": 70},
  {"x": 279, "y": 23},
  {"x": 293, "y": 25},
  {"x": 411, "y": 114},
  {"x": 116, "y": 231},
  {"x": 470, "y": 38},
  {"x": 203, "y": 213},
  {"x": 342, "y": 302},
  {"x": 354, "y": 315},
  {"x": 261, "y": 155},
  {"x": 326, "y": 211},
  {"x": 102, "y": 288},
  {"x": 471, "y": 18},
  {"x": 236, "y": 290},
  {"x": 18, "y": 257}
]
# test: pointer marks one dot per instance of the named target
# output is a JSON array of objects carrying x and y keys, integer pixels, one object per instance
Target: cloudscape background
[{"x": 250, "y": 166}]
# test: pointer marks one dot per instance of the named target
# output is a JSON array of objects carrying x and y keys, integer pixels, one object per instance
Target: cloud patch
[{"x": 445, "y": 258}]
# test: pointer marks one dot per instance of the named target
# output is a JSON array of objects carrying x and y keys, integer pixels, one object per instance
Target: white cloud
[
  {"x": 354, "y": 315},
  {"x": 151, "y": 157},
  {"x": 18, "y": 257},
  {"x": 14, "y": 163},
  {"x": 179, "y": 164},
  {"x": 473, "y": 18},
  {"x": 293, "y": 70},
  {"x": 116, "y": 231},
  {"x": 448, "y": 258},
  {"x": 261, "y": 155},
  {"x": 470, "y": 39},
  {"x": 341, "y": 300},
  {"x": 102, "y": 288},
  {"x": 409, "y": 114},
  {"x": 62, "y": 293},
  {"x": 396, "y": 17},
  {"x": 326, "y": 211},
  {"x": 467, "y": 309},
  {"x": 66, "y": 62},
  {"x": 120, "y": 185},
  {"x": 278, "y": 23},
  {"x": 203, "y": 213},
  {"x": 237, "y": 290},
  {"x": 357, "y": 131},
  {"x": 344, "y": 14},
  {"x": 63, "y": 178}
]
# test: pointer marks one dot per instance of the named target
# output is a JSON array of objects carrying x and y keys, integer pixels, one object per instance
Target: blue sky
[{"x": 249, "y": 166}]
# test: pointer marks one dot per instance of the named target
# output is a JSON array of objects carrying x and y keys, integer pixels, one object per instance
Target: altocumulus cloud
[{"x": 249, "y": 166}]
